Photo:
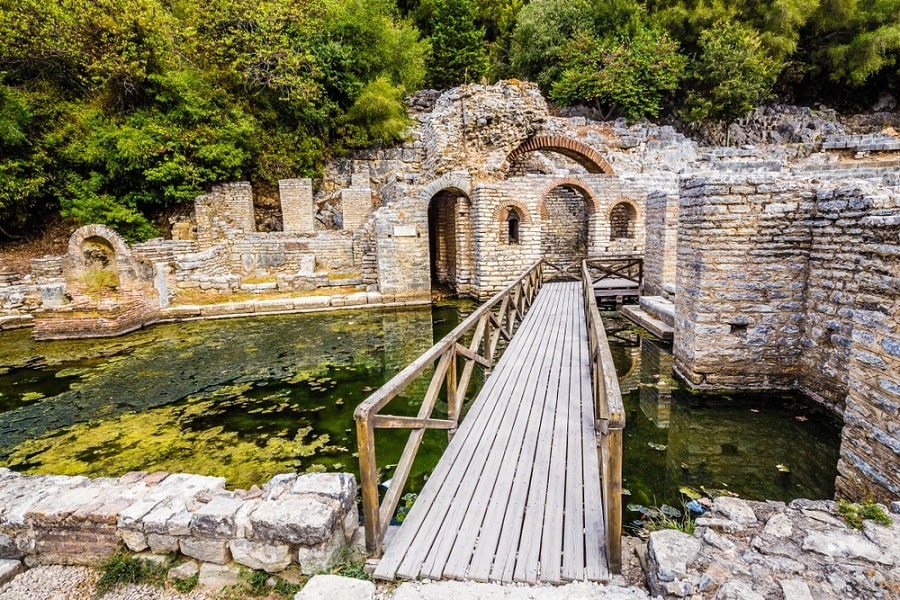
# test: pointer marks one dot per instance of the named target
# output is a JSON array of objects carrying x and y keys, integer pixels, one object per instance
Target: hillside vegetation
[{"x": 115, "y": 111}]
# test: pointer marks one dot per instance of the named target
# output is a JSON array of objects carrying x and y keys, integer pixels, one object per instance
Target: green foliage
[
  {"x": 115, "y": 110},
  {"x": 731, "y": 76},
  {"x": 457, "y": 51},
  {"x": 378, "y": 115},
  {"x": 184, "y": 585},
  {"x": 627, "y": 73},
  {"x": 351, "y": 563},
  {"x": 855, "y": 514},
  {"x": 122, "y": 569},
  {"x": 542, "y": 29}
]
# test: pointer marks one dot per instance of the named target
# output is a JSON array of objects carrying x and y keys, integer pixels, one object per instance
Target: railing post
[
  {"x": 368, "y": 484},
  {"x": 614, "y": 510}
]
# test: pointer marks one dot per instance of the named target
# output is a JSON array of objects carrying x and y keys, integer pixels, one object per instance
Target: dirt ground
[{"x": 16, "y": 255}]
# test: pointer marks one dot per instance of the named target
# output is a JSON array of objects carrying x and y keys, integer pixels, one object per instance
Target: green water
[
  {"x": 239, "y": 398},
  {"x": 249, "y": 398},
  {"x": 757, "y": 446}
]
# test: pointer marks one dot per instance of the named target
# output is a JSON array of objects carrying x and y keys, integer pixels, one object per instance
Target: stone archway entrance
[
  {"x": 566, "y": 212},
  {"x": 450, "y": 241}
]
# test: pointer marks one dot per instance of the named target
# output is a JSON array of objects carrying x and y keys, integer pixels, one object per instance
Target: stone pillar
[
  {"x": 297, "y": 207},
  {"x": 357, "y": 201}
]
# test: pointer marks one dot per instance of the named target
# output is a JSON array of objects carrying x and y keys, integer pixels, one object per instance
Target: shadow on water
[{"x": 775, "y": 446}]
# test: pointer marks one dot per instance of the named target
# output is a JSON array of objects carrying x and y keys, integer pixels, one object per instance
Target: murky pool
[{"x": 249, "y": 398}]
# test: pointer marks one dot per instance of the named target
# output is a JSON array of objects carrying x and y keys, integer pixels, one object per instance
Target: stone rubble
[{"x": 757, "y": 550}]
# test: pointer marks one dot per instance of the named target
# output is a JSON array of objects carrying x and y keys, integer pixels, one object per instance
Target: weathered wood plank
[
  {"x": 494, "y": 481},
  {"x": 517, "y": 493},
  {"x": 438, "y": 494}
]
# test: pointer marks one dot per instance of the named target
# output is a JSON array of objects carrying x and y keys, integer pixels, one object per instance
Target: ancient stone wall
[
  {"x": 226, "y": 211},
  {"x": 659, "y": 255},
  {"x": 870, "y": 443},
  {"x": 297, "y": 206},
  {"x": 782, "y": 284},
  {"x": 305, "y": 520}
]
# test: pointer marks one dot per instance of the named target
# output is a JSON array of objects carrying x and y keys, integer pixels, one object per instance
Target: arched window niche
[
  {"x": 622, "y": 219},
  {"x": 510, "y": 220}
]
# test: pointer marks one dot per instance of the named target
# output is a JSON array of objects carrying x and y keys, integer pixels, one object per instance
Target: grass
[
  {"x": 183, "y": 585},
  {"x": 854, "y": 514},
  {"x": 350, "y": 563},
  {"x": 123, "y": 568}
]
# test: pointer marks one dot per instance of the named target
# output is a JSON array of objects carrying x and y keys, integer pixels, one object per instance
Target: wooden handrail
[
  {"x": 609, "y": 422},
  {"x": 496, "y": 318}
]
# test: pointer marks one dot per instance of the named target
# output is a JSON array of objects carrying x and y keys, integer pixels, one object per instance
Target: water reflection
[{"x": 758, "y": 446}]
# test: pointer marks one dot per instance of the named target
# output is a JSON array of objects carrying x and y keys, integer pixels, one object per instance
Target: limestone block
[
  {"x": 671, "y": 552},
  {"x": 181, "y": 485},
  {"x": 737, "y": 590},
  {"x": 318, "y": 558},
  {"x": 734, "y": 509},
  {"x": 135, "y": 540},
  {"x": 778, "y": 525},
  {"x": 188, "y": 568},
  {"x": 795, "y": 589},
  {"x": 206, "y": 550},
  {"x": 311, "y": 302},
  {"x": 216, "y": 577},
  {"x": 337, "y": 486},
  {"x": 329, "y": 587},
  {"x": 294, "y": 519},
  {"x": 257, "y": 555},
  {"x": 216, "y": 518},
  {"x": 837, "y": 544},
  {"x": 162, "y": 544},
  {"x": 11, "y": 568}
]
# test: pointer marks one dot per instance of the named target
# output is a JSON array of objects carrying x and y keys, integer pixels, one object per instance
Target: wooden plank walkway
[{"x": 516, "y": 495}]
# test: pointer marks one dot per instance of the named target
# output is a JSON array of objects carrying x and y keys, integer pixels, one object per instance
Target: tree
[
  {"x": 630, "y": 74},
  {"x": 542, "y": 29},
  {"x": 457, "y": 45},
  {"x": 732, "y": 74}
]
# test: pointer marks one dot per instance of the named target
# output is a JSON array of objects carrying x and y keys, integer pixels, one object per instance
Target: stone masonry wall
[
  {"x": 225, "y": 212},
  {"x": 659, "y": 255},
  {"x": 869, "y": 466},
  {"x": 305, "y": 520},
  {"x": 784, "y": 285},
  {"x": 297, "y": 206}
]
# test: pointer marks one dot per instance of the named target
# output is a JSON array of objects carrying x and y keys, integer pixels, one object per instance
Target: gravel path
[{"x": 57, "y": 582}]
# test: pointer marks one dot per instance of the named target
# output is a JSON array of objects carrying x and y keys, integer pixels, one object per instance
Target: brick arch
[
  {"x": 628, "y": 201},
  {"x": 447, "y": 182},
  {"x": 585, "y": 189},
  {"x": 581, "y": 153},
  {"x": 502, "y": 211}
]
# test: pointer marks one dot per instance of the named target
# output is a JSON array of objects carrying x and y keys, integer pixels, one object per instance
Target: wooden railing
[
  {"x": 496, "y": 318},
  {"x": 609, "y": 414}
]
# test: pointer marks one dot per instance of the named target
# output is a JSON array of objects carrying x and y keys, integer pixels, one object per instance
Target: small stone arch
[
  {"x": 581, "y": 153},
  {"x": 97, "y": 235},
  {"x": 454, "y": 183},
  {"x": 622, "y": 216},
  {"x": 593, "y": 205},
  {"x": 501, "y": 212}
]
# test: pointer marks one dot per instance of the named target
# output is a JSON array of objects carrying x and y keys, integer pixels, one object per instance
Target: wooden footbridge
[{"x": 529, "y": 487}]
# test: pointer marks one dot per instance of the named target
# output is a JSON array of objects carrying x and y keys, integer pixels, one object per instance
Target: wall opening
[
  {"x": 512, "y": 227},
  {"x": 450, "y": 241},
  {"x": 565, "y": 233},
  {"x": 622, "y": 219}
]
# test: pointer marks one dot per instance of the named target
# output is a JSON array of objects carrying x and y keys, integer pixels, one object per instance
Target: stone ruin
[{"x": 779, "y": 258}]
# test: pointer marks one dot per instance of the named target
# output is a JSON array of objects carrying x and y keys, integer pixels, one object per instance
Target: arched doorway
[
  {"x": 450, "y": 241},
  {"x": 566, "y": 211}
]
